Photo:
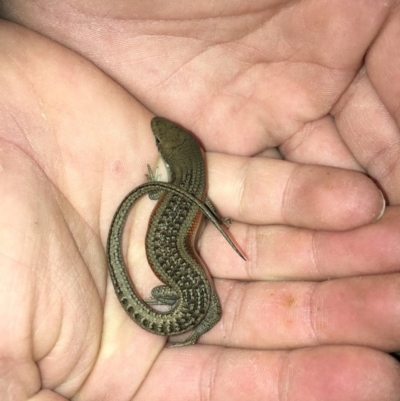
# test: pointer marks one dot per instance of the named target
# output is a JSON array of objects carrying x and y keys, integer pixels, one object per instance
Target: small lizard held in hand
[{"x": 170, "y": 242}]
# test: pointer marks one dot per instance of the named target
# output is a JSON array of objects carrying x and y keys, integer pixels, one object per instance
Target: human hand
[
  {"x": 104, "y": 365},
  {"x": 244, "y": 76}
]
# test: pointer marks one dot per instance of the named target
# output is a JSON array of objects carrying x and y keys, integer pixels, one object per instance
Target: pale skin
[{"x": 313, "y": 312}]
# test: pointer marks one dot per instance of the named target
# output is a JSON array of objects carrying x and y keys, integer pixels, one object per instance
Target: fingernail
[{"x": 383, "y": 207}]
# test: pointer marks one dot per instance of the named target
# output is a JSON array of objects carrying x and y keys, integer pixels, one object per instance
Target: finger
[
  {"x": 265, "y": 191},
  {"x": 371, "y": 249},
  {"x": 289, "y": 253},
  {"x": 274, "y": 315},
  {"x": 326, "y": 373},
  {"x": 383, "y": 62},
  {"x": 371, "y": 134},
  {"x": 319, "y": 142}
]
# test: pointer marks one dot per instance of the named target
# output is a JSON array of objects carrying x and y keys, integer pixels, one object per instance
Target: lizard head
[{"x": 171, "y": 139}]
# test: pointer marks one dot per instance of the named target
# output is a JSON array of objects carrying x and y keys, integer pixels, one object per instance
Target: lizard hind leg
[{"x": 212, "y": 317}]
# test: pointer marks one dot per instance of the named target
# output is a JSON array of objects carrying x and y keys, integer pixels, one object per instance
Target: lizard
[{"x": 170, "y": 242}]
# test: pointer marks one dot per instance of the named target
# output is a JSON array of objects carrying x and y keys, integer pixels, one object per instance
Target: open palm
[{"x": 245, "y": 80}]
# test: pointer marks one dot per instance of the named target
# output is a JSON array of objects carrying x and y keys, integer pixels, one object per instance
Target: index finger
[{"x": 258, "y": 190}]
